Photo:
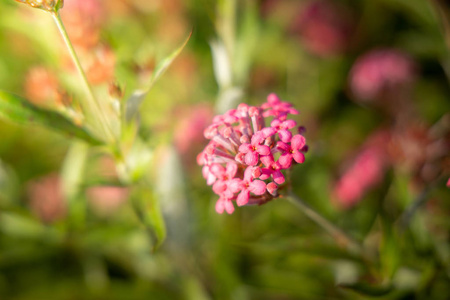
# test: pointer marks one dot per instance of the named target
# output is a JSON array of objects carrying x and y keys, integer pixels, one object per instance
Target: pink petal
[
  {"x": 273, "y": 99},
  {"x": 263, "y": 150},
  {"x": 253, "y": 111},
  {"x": 256, "y": 172},
  {"x": 288, "y": 124},
  {"x": 299, "y": 157},
  {"x": 210, "y": 131},
  {"x": 265, "y": 174},
  {"x": 218, "y": 170},
  {"x": 257, "y": 187},
  {"x": 282, "y": 116},
  {"x": 243, "y": 108},
  {"x": 268, "y": 113},
  {"x": 242, "y": 198},
  {"x": 201, "y": 158},
  {"x": 298, "y": 141},
  {"x": 285, "y": 135},
  {"x": 231, "y": 169},
  {"x": 248, "y": 174},
  {"x": 228, "y": 193},
  {"x": 229, "y": 207},
  {"x": 220, "y": 207},
  {"x": 219, "y": 187},
  {"x": 251, "y": 158},
  {"x": 244, "y": 139},
  {"x": 235, "y": 185},
  {"x": 210, "y": 179},
  {"x": 293, "y": 111},
  {"x": 283, "y": 147},
  {"x": 268, "y": 131},
  {"x": 267, "y": 160},
  {"x": 240, "y": 157},
  {"x": 257, "y": 138},
  {"x": 272, "y": 188},
  {"x": 245, "y": 148},
  {"x": 230, "y": 119},
  {"x": 285, "y": 160},
  {"x": 206, "y": 171},
  {"x": 278, "y": 177},
  {"x": 275, "y": 123}
]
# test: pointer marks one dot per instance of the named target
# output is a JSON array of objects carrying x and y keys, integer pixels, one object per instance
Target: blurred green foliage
[{"x": 103, "y": 237}]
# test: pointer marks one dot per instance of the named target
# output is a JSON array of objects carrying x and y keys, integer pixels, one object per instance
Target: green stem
[
  {"x": 340, "y": 236},
  {"x": 443, "y": 11},
  {"x": 92, "y": 106}
]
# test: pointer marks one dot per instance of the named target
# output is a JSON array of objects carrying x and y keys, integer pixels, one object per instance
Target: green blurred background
[{"x": 305, "y": 51}]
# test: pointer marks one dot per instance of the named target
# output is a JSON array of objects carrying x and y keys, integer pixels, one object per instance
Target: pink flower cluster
[
  {"x": 326, "y": 28},
  {"x": 381, "y": 71},
  {"x": 366, "y": 171},
  {"x": 244, "y": 159}
]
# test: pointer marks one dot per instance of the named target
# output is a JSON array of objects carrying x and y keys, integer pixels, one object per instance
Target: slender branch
[
  {"x": 444, "y": 13},
  {"x": 92, "y": 105},
  {"x": 405, "y": 218},
  {"x": 407, "y": 215},
  {"x": 340, "y": 236}
]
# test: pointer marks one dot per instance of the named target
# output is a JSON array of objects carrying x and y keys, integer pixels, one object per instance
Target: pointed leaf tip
[
  {"x": 135, "y": 100},
  {"x": 18, "y": 110}
]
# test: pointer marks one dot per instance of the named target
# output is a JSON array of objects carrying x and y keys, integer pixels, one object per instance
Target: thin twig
[
  {"x": 92, "y": 104},
  {"x": 405, "y": 218},
  {"x": 340, "y": 236}
]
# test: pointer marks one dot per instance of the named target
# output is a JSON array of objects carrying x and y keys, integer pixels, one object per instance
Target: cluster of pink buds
[{"x": 244, "y": 159}]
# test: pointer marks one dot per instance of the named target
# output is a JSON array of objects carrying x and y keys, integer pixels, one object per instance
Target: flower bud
[{"x": 47, "y": 5}]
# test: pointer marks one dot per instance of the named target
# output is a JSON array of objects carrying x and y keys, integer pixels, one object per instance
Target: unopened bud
[
  {"x": 115, "y": 91},
  {"x": 272, "y": 188},
  {"x": 256, "y": 172},
  {"x": 301, "y": 129},
  {"x": 47, "y": 5}
]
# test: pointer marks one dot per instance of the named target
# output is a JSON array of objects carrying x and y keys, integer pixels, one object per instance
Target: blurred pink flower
[
  {"x": 83, "y": 19},
  {"x": 189, "y": 130},
  {"x": 100, "y": 65},
  {"x": 46, "y": 198},
  {"x": 381, "y": 71},
  {"x": 106, "y": 200},
  {"x": 365, "y": 172},
  {"x": 252, "y": 153},
  {"x": 41, "y": 86},
  {"x": 448, "y": 183},
  {"x": 325, "y": 27},
  {"x": 421, "y": 150}
]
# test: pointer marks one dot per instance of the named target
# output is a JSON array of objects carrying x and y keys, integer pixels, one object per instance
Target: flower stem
[
  {"x": 340, "y": 236},
  {"x": 92, "y": 106}
]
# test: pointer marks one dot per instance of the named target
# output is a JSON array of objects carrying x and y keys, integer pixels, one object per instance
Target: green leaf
[
  {"x": 138, "y": 96},
  {"x": 21, "y": 226},
  {"x": 73, "y": 169},
  {"x": 390, "y": 249},
  {"x": 9, "y": 185},
  {"x": 368, "y": 290},
  {"x": 148, "y": 210},
  {"x": 18, "y": 110}
]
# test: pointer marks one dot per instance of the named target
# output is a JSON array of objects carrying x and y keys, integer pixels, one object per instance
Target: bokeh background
[{"x": 371, "y": 81}]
